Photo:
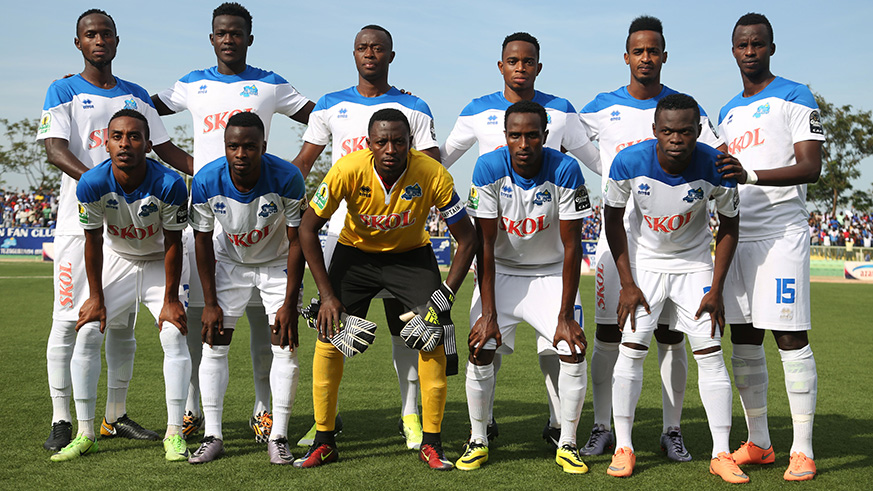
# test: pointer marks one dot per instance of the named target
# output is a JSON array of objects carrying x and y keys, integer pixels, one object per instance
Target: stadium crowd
[
  {"x": 838, "y": 230},
  {"x": 36, "y": 208}
]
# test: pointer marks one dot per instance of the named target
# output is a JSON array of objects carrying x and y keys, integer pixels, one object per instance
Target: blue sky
[{"x": 447, "y": 51}]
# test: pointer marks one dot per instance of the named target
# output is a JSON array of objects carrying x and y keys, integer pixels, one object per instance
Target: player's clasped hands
[
  {"x": 713, "y": 302},
  {"x": 174, "y": 313},
  {"x": 629, "y": 298}
]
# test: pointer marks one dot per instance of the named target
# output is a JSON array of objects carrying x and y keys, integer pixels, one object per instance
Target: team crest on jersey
[
  {"x": 87, "y": 104},
  {"x": 321, "y": 195},
  {"x": 268, "y": 209},
  {"x": 220, "y": 208},
  {"x": 645, "y": 190},
  {"x": 410, "y": 192},
  {"x": 815, "y": 123},
  {"x": 506, "y": 192},
  {"x": 342, "y": 113},
  {"x": 112, "y": 203},
  {"x": 83, "y": 215},
  {"x": 148, "y": 209},
  {"x": 249, "y": 90},
  {"x": 202, "y": 89},
  {"x": 762, "y": 110},
  {"x": 365, "y": 191},
  {"x": 492, "y": 120},
  {"x": 693, "y": 194},
  {"x": 45, "y": 123},
  {"x": 130, "y": 104},
  {"x": 581, "y": 199},
  {"x": 473, "y": 199},
  {"x": 542, "y": 197},
  {"x": 615, "y": 115}
]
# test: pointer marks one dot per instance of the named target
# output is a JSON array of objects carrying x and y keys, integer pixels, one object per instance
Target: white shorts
[
  {"x": 682, "y": 291},
  {"x": 236, "y": 285},
  {"x": 195, "y": 295},
  {"x": 607, "y": 286},
  {"x": 532, "y": 299},
  {"x": 768, "y": 284},
  {"x": 128, "y": 283},
  {"x": 69, "y": 280}
]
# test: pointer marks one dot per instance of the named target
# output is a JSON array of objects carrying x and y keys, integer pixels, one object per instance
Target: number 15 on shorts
[{"x": 785, "y": 290}]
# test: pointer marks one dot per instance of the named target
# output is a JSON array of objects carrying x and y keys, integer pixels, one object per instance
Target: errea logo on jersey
[
  {"x": 112, "y": 203},
  {"x": 343, "y": 113},
  {"x": 668, "y": 224},
  {"x": 645, "y": 190},
  {"x": 615, "y": 116},
  {"x": 492, "y": 119},
  {"x": 218, "y": 121},
  {"x": 249, "y": 91},
  {"x": 220, "y": 208},
  {"x": 506, "y": 192},
  {"x": 202, "y": 89},
  {"x": 87, "y": 104}
]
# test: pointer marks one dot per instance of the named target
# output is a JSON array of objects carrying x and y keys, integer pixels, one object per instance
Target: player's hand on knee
[
  {"x": 329, "y": 320},
  {"x": 93, "y": 310},
  {"x": 485, "y": 328},
  {"x": 629, "y": 298},
  {"x": 285, "y": 327},
  {"x": 212, "y": 321},
  {"x": 571, "y": 332},
  {"x": 174, "y": 313},
  {"x": 713, "y": 303}
]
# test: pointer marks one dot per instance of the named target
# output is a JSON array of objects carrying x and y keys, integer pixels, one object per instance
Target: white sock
[
  {"x": 214, "y": 373},
  {"x": 177, "y": 372},
  {"x": 602, "y": 364},
  {"x": 480, "y": 391},
  {"x": 195, "y": 349},
  {"x": 172, "y": 430},
  {"x": 496, "y": 362},
  {"x": 673, "y": 361},
  {"x": 85, "y": 371},
  {"x": 626, "y": 390},
  {"x": 716, "y": 394},
  {"x": 86, "y": 427},
  {"x": 550, "y": 365},
  {"x": 284, "y": 374},
  {"x": 801, "y": 381},
  {"x": 406, "y": 366},
  {"x": 58, "y": 353},
  {"x": 750, "y": 377},
  {"x": 120, "y": 350},
  {"x": 262, "y": 357},
  {"x": 572, "y": 381}
]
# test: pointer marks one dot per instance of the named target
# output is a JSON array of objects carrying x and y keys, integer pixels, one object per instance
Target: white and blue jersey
[
  {"x": 213, "y": 98},
  {"x": 77, "y": 111},
  {"x": 761, "y": 131},
  {"x": 253, "y": 223},
  {"x": 134, "y": 222},
  {"x": 482, "y": 121},
  {"x": 668, "y": 228},
  {"x": 617, "y": 120},
  {"x": 529, "y": 210}
]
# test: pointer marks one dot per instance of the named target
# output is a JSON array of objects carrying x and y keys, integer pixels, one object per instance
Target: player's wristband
[{"x": 751, "y": 177}]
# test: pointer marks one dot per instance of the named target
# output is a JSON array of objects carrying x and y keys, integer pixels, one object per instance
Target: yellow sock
[
  {"x": 327, "y": 371},
  {"x": 432, "y": 376}
]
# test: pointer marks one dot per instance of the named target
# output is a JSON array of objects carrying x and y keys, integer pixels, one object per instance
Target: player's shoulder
[
  {"x": 64, "y": 90},
  {"x": 704, "y": 167},
  {"x": 95, "y": 182},
  {"x": 252, "y": 73},
  {"x": 211, "y": 173},
  {"x": 284, "y": 177},
  {"x": 604, "y": 100},
  {"x": 494, "y": 101},
  {"x": 553, "y": 102},
  {"x": 665, "y": 91},
  {"x": 331, "y": 99},
  {"x": 633, "y": 161},
  {"x": 166, "y": 183},
  {"x": 792, "y": 91},
  {"x": 491, "y": 167},
  {"x": 561, "y": 169},
  {"x": 133, "y": 89}
]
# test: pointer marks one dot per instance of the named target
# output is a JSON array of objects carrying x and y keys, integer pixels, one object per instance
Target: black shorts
[{"x": 357, "y": 276}]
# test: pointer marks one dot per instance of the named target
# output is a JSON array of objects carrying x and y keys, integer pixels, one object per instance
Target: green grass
[{"x": 372, "y": 453}]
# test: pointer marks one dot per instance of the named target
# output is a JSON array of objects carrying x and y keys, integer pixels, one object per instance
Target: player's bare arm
[
  {"x": 568, "y": 329},
  {"x": 302, "y": 116},
  {"x": 725, "y": 246},
  {"x": 432, "y": 152},
  {"x": 176, "y": 157},
  {"x": 807, "y": 169},
  {"x": 93, "y": 309},
  {"x": 162, "y": 108},
  {"x": 630, "y": 296},
  {"x": 59, "y": 155},
  {"x": 212, "y": 321},
  {"x": 465, "y": 235},
  {"x": 486, "y": 326},
  {"x": 173, "y": 311},
  {"x": 331, "y": 307},
  {"x": 285, "y": 329},
  {"x": 307, "y": 156}
]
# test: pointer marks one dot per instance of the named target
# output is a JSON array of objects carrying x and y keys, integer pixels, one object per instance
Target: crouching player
[
  {"x": 528, "y": 203},
  {"x": 389, "y": 189},
  {"x": 257, "y": 199},
  {"x": 143, "y": 207},
  {"x": 666, "y": 260}
]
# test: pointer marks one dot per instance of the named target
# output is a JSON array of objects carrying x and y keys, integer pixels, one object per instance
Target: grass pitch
[{"x": 372, "y": 454}]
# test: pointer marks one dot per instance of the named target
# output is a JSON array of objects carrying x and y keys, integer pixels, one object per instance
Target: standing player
[
  {"x": 528, "y": 203},
  {"x": 257, "y": 199},
  {"x": 617, "y": 120},
  {"x": 212, "y": 96},
  {"x": 144, "y": 208},
  {"x": 389, "y": 190},
  {"x": 343, "y": 117},
  {"x": 482, "y": 121},
  {"x": 666, "y": 260},
  {"x": 774, "y": 126},
  {"x": 73, "y": 128}
]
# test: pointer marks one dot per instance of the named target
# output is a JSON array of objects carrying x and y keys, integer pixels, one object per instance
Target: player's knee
[
  {"x": 791, "y": 340},
  {"x": 746, "y": 334},
  {"x": 664, "y": 335},
  {"x": 608, "y": 333}
]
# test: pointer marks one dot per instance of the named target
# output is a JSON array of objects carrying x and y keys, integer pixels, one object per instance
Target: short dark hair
[
  {"x": 375, "y": 27},
  {"x": 753, "y": 19},
  {"x": 94, "y": 11},
  {"x": 645, "y": 23},
  {"x": 246, "y": 119},
  {"x": 236, "y": 10},
  {"x": 675, "y": 102},
  {"x": 527, "y": 107},
  {"x": 132, "y": 113},
  {"x": 520, "y": 36},
  {"x": 388, "y": 114}
]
